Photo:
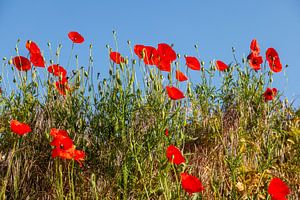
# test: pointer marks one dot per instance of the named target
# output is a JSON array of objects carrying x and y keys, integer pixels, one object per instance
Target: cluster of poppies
[
  {"x": 189, "y": 183},
  {"x": 36, "y": 59},
  {"x": 63, "y": 144},
  {"x": 163, "y": 56},
  {"x": 255, "y": 60}
]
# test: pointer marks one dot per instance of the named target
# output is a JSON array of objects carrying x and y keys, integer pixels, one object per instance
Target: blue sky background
[{"x": 214, "y": 25}]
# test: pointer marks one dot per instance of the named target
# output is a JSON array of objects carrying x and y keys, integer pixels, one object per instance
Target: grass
[{"x": 233, "y": 140}]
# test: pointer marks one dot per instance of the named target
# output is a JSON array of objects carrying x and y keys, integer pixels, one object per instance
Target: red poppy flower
[
  {"x": 166, "y": 52},
  {"x": 278, "y": 189},
  {"x": 21, "y": 63},
  {"x": 37, "y": 60},
  {"x": 191, "y": 184},
  {"x": 116, "y": 57},
  {"x": 32, "y": 47},
  {"x": 174, "y": 93},
  {"x": 62, "y": 87},
  {"x": 57, "y": 70},
  {"x": 174, "y": 155},
  {"x": 57, "y": 132},
  {"x": 192, "y": 62},
  {"x": 79, "y": 155},
  {"x": 19, "y": 128},
  {"x": 273, "y": 60},
  {"x": 167, "y": 132},
  {"x": 180, "y": 76},
  {"x": 270, "y": 94},
  {"x": 255, "y": 61},
  {"x": 75, "y": 37},
  {"x": 221, "y": 66},
  {"x": 255, "y": 47}
]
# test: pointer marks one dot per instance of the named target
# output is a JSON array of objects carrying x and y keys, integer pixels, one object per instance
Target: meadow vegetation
[{"x": 234, "y": 137}]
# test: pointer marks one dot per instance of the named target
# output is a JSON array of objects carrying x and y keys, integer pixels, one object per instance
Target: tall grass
[{"x": 233, "y": 140}]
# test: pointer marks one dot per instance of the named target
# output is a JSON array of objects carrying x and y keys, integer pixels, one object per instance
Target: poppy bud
[
  {"x": 86, "y": 74},
  {"x": 114, "y": 32},
  {"x": 10, "y": 62},
  {"x": 76, "y": 56},
  {"x": 178, "y": 55},
  {"x": 133, "y": 61},
  {"x": 51, "y": 62},
  {"x": 155, "y": 87},
  {"x": 189, "y": 90},
  {"x": 104, "y": 82},
  {"x": 271, "y": 80},
  {"x": 122, "y": 67},
  {"x": 48, "y": 44},
  {"x": 4, "y": 58},
  {"x": 110, "y": 71},
  {"x": 17, "y": 49},
  {"x": 196, "y": 46},
  {"x": 14, "y": 80},
  {"x": 118, "y": 78},
  {"x": 151, "y": 75},
  {"x": 35, "y": 84},
  {"x": 128, "y": 42},
  {"x": 233, "y": 49},
  {"x": 202, "y": 63},
  {"x": 91, "y": 46},
  {"x": 243, "y": 60}
]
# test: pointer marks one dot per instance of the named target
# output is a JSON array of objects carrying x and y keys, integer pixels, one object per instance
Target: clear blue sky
[{"x": 215, "y": 25}]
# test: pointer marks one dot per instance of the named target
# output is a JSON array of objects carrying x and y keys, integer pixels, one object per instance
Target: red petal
[
  {"x": 19, "y": 128},
  {"x": 116, "y": 57},
  {"x": 62, "y": 142},
  {"x": 278, "y": 189},
  {"x": 32, "y": 47},
  {"x": 138, "y": 50},
  {"x": 180, "y": 76},
  {"x": 21, "y": 63},
  {"x": 174, "y": 93},
  {"x": 174, "y": 155},
  {"x": 192, "y": 62},
  {"x": 150, "y": 55},
  {"x": 166, "y": 52},
  {"x": 37, "y": 60},
  {"x": 254, "y": 47},
  {"x": 56, "y": 132},
  {"x": 75, "y": 37},
  {"x": 221, "y": 66},
  {"x": 164, "y": 65},
  {"x": 191, "y": 184}
]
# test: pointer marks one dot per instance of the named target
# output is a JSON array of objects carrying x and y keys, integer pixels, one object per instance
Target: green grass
[{"x": 233, "y": 140}]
